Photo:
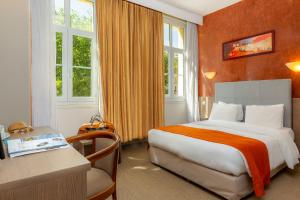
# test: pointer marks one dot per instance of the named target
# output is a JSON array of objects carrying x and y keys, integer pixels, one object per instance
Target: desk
[{"x": 52, "y": 175}]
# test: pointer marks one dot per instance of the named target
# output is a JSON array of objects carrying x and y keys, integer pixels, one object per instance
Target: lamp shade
[
  {"x": 294, "y": 66},
  {"x": 206, "y": 103},
  {"x": 210, "y": 75}
]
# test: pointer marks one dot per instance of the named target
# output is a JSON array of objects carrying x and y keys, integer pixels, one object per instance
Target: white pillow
[
  {"x": 239, "y": 108},
  {"x": 268, "y": 116},
  {"x": 224, "y": 112}
]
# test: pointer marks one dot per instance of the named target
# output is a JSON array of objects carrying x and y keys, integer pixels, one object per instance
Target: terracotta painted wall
[{"x": 246, "y": 18}]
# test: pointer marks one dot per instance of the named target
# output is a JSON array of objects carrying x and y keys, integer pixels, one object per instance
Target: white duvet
[{"x": 224, "y": 158}]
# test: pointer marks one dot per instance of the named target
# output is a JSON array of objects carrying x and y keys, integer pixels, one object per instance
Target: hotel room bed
[
  {"x": 225, "y": 158},
  {"x": 221, "y": 168}
]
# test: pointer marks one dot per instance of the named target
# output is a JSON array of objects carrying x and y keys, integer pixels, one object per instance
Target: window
[
  {"x": 174, "y": 48},
  {"x": 76, "y": 74}
]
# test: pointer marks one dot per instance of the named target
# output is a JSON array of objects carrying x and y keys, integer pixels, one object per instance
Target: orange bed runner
[{"x": 254, "y": 151}]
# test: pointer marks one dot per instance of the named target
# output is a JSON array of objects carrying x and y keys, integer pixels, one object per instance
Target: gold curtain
[{"x": 131, "y": 63}]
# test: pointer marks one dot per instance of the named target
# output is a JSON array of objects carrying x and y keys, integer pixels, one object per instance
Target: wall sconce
[
  {"x": 294, "y": 66},
  {"x": 210, "y": 75}
]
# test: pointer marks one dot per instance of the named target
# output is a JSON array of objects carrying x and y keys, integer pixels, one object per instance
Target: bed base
[{"x": 228, "y": 186}]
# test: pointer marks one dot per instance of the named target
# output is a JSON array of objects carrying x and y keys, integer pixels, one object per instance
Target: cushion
[
  {"x": 105, "y": 163},
  {"x": 239, "y": 108},
  {"x": 267, "y": 116},
  {"x": 97, "y": 181},
  {"x": 225, "y": 112}
]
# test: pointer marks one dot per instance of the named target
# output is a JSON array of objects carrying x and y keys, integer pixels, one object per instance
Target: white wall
[
  {"x": 14, "y": 61},
  {"x": 71, "y": 117},
  {"x": 175, "y": 112}
]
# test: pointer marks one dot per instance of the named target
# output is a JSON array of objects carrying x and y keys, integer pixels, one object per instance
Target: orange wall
[{"x": 243, "y": 19}]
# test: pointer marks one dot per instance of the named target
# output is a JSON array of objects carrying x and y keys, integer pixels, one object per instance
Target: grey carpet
[{"x": 138, "y": 179}]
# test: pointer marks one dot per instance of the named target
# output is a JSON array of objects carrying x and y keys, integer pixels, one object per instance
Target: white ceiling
[
  {"x": 202, "y": 7},
  {"x": 189, "y": 10}
]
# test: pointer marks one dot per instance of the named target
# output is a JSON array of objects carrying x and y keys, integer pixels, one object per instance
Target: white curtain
[
  {"x": 43, "y": 64},
  {"x": 192, "y": 73}
]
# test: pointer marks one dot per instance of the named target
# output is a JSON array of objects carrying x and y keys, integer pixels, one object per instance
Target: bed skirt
[{"x": 228, "y": 186}]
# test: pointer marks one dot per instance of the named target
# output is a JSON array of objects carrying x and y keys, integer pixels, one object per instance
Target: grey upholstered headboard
[{"x": 265, "y": 92}]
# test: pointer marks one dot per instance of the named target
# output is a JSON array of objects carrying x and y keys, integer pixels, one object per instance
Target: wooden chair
[{"x": 101, "y": 179}]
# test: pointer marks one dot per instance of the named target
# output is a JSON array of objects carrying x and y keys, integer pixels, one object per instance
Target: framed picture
[{"x": 249, "y": 46}]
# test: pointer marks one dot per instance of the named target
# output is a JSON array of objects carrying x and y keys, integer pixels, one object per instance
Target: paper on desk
[{"x": 29, "y": 145}]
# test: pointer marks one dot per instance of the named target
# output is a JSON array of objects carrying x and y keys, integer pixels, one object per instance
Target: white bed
[
  {"x": 222, "y": 168},
  {"x": 223, "y": 158}
]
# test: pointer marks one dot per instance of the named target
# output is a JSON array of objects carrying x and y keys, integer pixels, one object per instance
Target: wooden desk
[{"x": 52, "y": 175}]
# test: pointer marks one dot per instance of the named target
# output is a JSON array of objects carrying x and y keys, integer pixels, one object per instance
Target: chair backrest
[
  {"x": 105, "y": 150},
  {"x": 107, "y": 163}
]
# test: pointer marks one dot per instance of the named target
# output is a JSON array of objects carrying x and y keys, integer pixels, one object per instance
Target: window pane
[
  {"x": 178, "y": 74},
  {"x": 166, "y": 71},
  {"x": 82, "y": 51},
  {"x": 166, "y": 34},
  {"x": 81, "y": 82},
  {"x": 59, "y": 48},
  {"x": 177, "y": 37},
  {"x": 58, "y": 80},
  {"x": 82, "y": 15},
  {"x": 59, "y": 17}
]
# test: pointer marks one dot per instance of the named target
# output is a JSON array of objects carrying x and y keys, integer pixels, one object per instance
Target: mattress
[{"x": 280, "y": 145}]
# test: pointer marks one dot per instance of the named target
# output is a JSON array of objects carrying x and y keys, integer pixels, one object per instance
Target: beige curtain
[{"x": 131, "y": 62}]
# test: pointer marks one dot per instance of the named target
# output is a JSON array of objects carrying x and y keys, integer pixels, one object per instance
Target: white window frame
[
  {"x": 67, "y": 59},
  {"x": 171, "y": 51}
]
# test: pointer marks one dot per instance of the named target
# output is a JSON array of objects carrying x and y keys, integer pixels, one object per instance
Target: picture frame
[{"x": 254, "y": 45}]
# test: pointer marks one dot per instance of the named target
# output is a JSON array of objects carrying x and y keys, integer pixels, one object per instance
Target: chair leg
[{"x": 114, "y": 195}]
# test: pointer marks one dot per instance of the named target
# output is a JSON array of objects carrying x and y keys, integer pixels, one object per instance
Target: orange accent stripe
[{"x": 254, "y": 151}]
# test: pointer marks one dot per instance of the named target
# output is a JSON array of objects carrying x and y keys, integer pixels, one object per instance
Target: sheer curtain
[
  {"x": 43, "y": 86},
  {"x": 192, "y": 72}
]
